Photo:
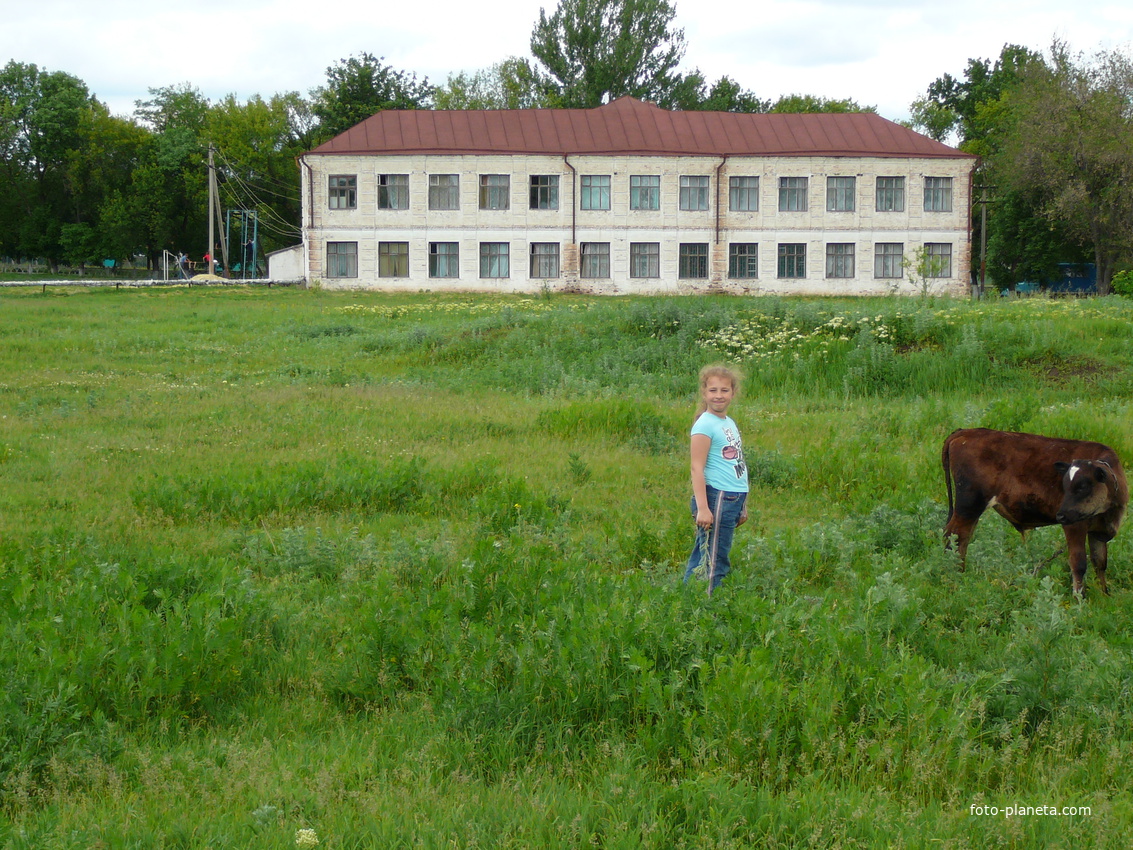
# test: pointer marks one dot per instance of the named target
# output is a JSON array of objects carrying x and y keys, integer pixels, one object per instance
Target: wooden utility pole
[
  {"x": 983, "y": 239},
  {"x": 212, "y": 206}
]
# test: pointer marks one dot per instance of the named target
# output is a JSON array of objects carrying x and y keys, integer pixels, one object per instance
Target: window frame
[
  {"x": 393, "y": 259},
  {"x": 393, "y": 191},
  {"x": 938, "y": 194},
  {"x": 543, "y": 195},
  {"x": 640, "y": 191},
  {"x": 350, "y": 257},
  {"x": 347, "y": 191},
  {"x": 745, "y": 254},
  {"x": 594, "y": 260},
  {"x": 841, "y": 260},
  {"x": 448, "y": 193},
  {"x": 791, "y": 257},
  {"x": 539, "y": 258},
  {"x": 495, "y": 192},
  {"x": 689, "y": 192},
  {"x": 794, "y": 189},
  {"x": 937, "y": 251},
  {"x": 498, "y": 253},
  {"x": 890, "y": 261},
  {"x": 841, "y": 193},
  {"x": 890, "y": 198},
  {"x": 444, "y": 265},
  {"x": 644, "y": 260},
  {"x": 591, "y": 187},
  {"x": 743, "y": 193},
  {"x": 692, "y": 261}
]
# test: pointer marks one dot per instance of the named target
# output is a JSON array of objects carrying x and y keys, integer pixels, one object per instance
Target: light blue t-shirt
[{"x": 726, "y": 469}]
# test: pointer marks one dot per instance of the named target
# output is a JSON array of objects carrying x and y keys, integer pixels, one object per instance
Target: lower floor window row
[{"x": 933, "y": 260}]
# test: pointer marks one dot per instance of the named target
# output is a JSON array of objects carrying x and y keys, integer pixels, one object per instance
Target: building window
[
  {"x": 343, "y": 192},
  {"x": 595, "y": 259},
  {"x": 393, "y": 259},
  {"x": 342, "y": 259},
  {"x": 595, "y": 192},
  {"x": 693, "y": 260},
  {"x": 890, "y": 194},
  {"x": 545, "y": 192},
  {"x": 938, "y": 259},
  {"x": 694, "y": 193},
  {"x": 938, "y": 194},
  {"x": 494, "y": 191},
  {"x": 645, "y": 192},
  {"x": 645, "y": 259},
  {"x": 792, "y": 194},
  {"x": 840, "y": 259},
  {"x": 792, "y": 259},
  {"x": 393, "y": 191},
  {"x": 743, "y": 194},
  {"x": 444, "y": 259},
  {"x": 444, "y": 191},
  {"x": 840, "y": 194},
  {"x": 743, "y": 260},
  {"x": 544, "y": 259},
  {"x": 495, "y": 259},
  {"x": 888, "y": 260}
]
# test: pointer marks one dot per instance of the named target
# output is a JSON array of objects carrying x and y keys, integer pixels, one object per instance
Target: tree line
[{"x": 1054, "y": 134}]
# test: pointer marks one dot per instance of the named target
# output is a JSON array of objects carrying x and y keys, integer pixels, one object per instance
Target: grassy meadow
[{"x": 285, "y": 566}]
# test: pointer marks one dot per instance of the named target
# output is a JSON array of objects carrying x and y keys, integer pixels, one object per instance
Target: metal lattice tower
[{"x": 244, "y": 253}]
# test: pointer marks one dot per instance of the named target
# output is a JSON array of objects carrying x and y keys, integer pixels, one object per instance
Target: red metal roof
[{"x": 630, "y": 126}]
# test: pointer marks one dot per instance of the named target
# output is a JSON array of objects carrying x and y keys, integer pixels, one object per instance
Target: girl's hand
[{"x": 703, "y": 518}]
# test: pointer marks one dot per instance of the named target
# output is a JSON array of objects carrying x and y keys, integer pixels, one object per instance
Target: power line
[
  {"x": 281, "y": 226},
  {"x": 263, "y": 178}
]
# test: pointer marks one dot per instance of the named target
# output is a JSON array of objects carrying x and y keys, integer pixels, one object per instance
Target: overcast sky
[{"x": 881, "y": 53}]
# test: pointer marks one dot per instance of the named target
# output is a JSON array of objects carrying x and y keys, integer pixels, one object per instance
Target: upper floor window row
[{"x": 595, "y": 192}]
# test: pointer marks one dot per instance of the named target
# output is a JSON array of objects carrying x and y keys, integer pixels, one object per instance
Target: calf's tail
[{"x": 945, "y": 461}]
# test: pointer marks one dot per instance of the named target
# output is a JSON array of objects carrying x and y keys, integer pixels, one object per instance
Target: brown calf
[{"x": 1032, "y": 481}]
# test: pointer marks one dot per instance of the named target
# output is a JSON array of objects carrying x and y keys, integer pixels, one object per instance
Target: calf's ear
[
  {"x": 1061, "y": 467},
  {"x": 1099, "y": 474}
]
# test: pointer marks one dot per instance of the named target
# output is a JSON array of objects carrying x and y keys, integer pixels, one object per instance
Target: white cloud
[{"x": 877, "y": 52}]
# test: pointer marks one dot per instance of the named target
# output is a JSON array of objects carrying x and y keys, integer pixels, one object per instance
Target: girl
[{"x": 719, "y": 475}]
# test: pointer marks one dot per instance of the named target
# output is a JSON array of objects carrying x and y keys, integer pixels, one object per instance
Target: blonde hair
[{"x": 717, "y": 370}]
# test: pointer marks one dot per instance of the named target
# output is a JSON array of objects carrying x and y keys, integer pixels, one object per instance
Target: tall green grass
[{"x": 404, "y": 570}]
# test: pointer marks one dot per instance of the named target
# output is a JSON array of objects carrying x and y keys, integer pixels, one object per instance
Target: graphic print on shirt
[{"x": 733, "y": 452}]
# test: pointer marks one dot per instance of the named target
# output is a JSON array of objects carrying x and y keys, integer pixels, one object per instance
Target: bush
[{"x": 1122, "y": 283}]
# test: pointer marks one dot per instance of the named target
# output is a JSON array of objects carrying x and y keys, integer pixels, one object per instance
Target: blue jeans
[{"x": 714, "y": 545}]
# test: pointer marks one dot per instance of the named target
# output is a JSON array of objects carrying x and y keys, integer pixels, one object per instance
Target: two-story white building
[{"x": 630, "y": 198}]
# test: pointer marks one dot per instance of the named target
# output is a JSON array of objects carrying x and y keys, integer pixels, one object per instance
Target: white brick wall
[{"x": 718, "y": 227}]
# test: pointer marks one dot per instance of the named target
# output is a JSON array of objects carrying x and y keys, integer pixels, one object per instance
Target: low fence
[{"x": 126, "y": 283}]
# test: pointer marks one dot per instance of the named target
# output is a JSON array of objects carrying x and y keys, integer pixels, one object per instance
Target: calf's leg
[
  {"x": 1099, "y": 554},
  {"x": 1076, "y": 546},
  {"x": 961, "y": 529}
]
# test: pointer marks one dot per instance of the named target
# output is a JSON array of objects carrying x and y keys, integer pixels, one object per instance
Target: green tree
[
  {"x": 361, "y": 86},
  {"x": 257, "y": 142},
  {"x": 726, "y": 95},
  {"x": 599, "y": 50},
  {"x": 1069, "y": 142},
  {"x": 974, "y": 112},
  {"x": 795, "y": 103},
  {"x": 952, "y": 107},
  {"x": 168, "y": 195},
  {"x": 45, "y": 118},
  {"x": 511, "y": 84},
  {"x": 1022, "y": 244},
  {"x": 98, "y": 169}
]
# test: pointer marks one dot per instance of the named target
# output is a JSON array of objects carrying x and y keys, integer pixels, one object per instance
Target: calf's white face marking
[{"x": 1073, "y": 471}]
